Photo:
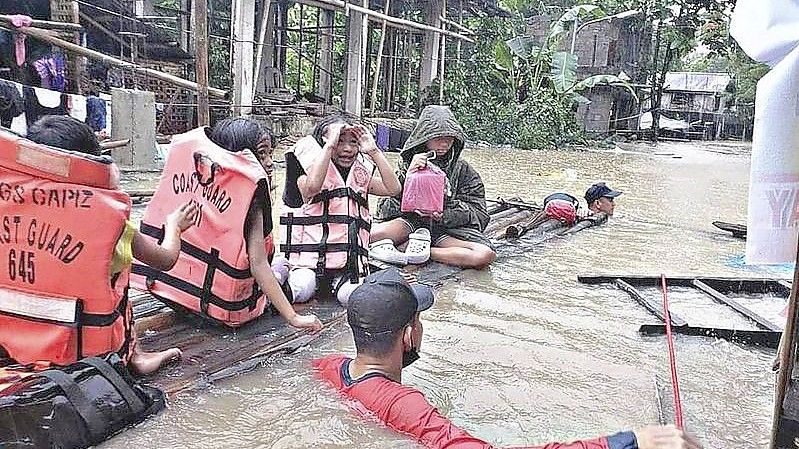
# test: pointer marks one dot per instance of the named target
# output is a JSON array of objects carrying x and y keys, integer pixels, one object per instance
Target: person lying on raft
[
  {"x": 70, "y": 134},
  {"x": 236, "y": 135},
  {"x": 564, "y": 207},
  {"x": 383, "y": 314},
  {"x": 457, "y": 233},
  {"x": 326, "y": 223}
]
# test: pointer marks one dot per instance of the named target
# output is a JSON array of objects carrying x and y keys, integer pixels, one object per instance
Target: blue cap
[
  {"x": 386, "y": 302},
  {"x": 600, "y": 190}
]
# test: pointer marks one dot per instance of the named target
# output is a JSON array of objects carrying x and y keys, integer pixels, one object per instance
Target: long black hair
[
  {"x": 321, "y": 126},
  {"x": 65, "y": 132},
  {"x": 237, "y": 134}
]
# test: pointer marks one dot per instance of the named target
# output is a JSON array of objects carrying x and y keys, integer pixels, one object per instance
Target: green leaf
[
  {"x": 503, "y": 57},
  {"x": 579, "y": 99},
  {"x": 563, "y": 71},
  {"x": 522, "y": 46},
  {"x": 577, "y": 12},
  {"x": 610, "y": 80}
]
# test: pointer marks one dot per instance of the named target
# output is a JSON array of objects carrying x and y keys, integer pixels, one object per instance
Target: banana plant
[{"x": 560, "y": 67}]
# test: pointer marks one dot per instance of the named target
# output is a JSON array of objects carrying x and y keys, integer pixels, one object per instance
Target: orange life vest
[
  {"x": 330, "y": 233},
  {"x": 61, "y": 216},
  {"x": 212, "y": 275}
]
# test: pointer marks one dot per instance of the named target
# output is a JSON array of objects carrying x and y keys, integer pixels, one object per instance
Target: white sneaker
[
  {"x": 385, "y": 251},
  {"x": 418, "y": 249}
]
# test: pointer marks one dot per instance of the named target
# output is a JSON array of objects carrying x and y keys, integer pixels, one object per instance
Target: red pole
[{"x": 672, "y": 359}]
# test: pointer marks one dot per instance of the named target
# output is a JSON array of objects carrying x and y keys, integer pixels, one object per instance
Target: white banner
[{"x": 769, "y": 32}]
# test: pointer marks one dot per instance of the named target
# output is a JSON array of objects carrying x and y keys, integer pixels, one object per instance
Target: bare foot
[{"x": 143, "y": 363}]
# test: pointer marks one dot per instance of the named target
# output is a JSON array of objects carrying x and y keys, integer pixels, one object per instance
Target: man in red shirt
[{"x": 384, "y": 316}]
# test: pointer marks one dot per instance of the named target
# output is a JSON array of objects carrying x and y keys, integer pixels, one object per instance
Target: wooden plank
[
  {"x": 201, "y": 60},
  {"x": 589, "y": 222},
  {"x": 209, "y": 349},
  {"x": 723, "y": 284},
  {"x": 737, "y": 230},
  {"x": 82, "y": 51},
  {"x": 326, "y": 56},
  {"x": 428, "y": 72},
  {"x": 650, "y": 305},
  {"x": 46, "y": 24},
  {"x": 356, "y": 55},
  {"x": 762, "y": 338},
  {"x": 735, "y": 305},
  {"x": 243, "y": 30},
  {"x": 379, "y": 66},
  {"x": 784, "y": 401}
]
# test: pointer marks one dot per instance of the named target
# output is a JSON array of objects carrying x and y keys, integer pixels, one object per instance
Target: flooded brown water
[{"x": 522, "y": 353}]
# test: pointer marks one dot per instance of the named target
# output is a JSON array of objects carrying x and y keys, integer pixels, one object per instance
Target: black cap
[
  {"x": 600, "y": 190},
  {"x": 385, "y": 302}
]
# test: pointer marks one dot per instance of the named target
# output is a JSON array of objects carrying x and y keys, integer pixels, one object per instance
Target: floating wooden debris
[
  {"x": 716, "y": 288},
  {"x": 737, "y": 230}
]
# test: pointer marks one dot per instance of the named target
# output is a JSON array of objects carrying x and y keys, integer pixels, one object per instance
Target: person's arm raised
[
  {"x": 311, "y": 184},
  {"x": 387, "y": 184}
]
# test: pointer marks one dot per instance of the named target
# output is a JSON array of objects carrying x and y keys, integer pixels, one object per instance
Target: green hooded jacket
[{"x": 465, "y": 204}]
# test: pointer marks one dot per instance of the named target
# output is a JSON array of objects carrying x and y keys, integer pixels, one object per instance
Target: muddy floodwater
[{"x": 522, "y": 353}]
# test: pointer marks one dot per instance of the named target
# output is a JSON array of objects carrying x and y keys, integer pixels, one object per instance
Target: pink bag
[{"x": 424, "y": 191}]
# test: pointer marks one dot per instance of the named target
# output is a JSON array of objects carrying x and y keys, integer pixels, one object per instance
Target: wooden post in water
[
  {"x": 376, "y": 79},
  {"x": 201, "y": 60},
  {"x": 780, "y": 433}
]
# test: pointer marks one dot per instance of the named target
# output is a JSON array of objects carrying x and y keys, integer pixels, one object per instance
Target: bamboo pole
[
  {"x": 391, "y": 19},
  {"x": 376, "y": 80},
  {"x": 42, "y": 35},
  {"x": 46, "y": 24},
  {"x": 787, "y": 353},
  {"x": 457, "y": 25},
  {"x": 201, "y": 60}
]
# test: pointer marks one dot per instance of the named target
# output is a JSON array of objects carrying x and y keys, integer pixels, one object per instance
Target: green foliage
[{"x": 563, "y": 72}]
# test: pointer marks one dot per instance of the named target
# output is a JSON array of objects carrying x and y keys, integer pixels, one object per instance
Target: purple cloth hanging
[{"x": 382, "y": 137}]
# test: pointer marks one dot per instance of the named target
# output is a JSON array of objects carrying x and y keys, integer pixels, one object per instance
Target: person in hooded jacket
[{"x": 457, "y": 233}]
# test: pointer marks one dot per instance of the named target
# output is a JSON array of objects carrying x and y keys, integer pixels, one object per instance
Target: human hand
[
  {"x": 183, "y": 217},
  {"x": 437, "y": 216},
  {"x": 366, "y": 142},
  {"x": 418, "y": 162},
  {"x": 333, "y": 134},
  {"x": 665, "y": 437},
  {"x": 310, "y": 322}
]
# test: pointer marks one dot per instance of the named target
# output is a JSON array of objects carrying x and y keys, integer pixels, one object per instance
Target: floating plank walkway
[{"x": 768, "y": 335}]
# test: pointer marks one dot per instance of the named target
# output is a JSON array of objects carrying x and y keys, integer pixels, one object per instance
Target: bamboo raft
[
  {"x": 212, "y": 352},
  {"x": 767, "y": 333}
]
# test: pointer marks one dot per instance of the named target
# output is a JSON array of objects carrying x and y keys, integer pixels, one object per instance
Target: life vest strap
[
  {"x": 330, "y": 247},
  {"x": 341, "y": 192},
  {"x": 198, "y": 292},
  {"x": 333, "y": 219},
  {"x": 197, "y": 253}
]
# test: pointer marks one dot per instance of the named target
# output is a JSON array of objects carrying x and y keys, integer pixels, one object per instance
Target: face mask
[{"x": 409, "y": 357}]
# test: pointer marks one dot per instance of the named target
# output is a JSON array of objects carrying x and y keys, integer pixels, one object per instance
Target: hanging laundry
[
  {"x": 78, "y": 107},
  {"x": 11, "y": 103},
  {"x": 96, "y": 113},
  {"x": 382, "y": 137},
  {"x": 51, "y": 71},
  {"x": 40, "y": 102},
  {"x": 20, "y": 21}
]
